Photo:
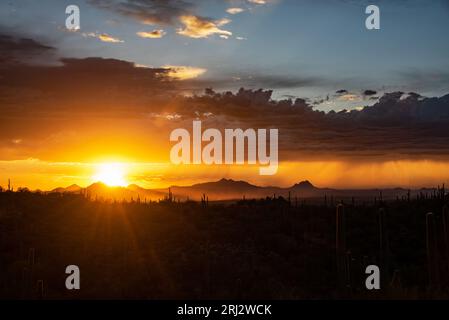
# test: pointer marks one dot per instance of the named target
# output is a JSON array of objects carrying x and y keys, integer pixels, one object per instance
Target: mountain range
[{"x": 228, "y": 189}]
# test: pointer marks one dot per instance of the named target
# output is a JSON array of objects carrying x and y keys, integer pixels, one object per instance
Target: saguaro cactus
[
  {"x": 340, "y": 245},
  {"x": 25, "y": 282},
  {"x": 31, "y": 257},
  {"x": 383, "y": 247},
  {"x": 396, "y": 279},
  {"x": 348, "y": 271},
  {"x": 341, "y": 235},
  {"x": 445, "y": 218},
  {"x": 432, "y": 250},
  {"x": 40, "y": 289},
  {"x": 204, "y": 200}
]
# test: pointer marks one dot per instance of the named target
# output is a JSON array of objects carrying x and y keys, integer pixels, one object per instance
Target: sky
[
  {"x": 346, "y": 99},
  {"x": 300, "y": 48}
]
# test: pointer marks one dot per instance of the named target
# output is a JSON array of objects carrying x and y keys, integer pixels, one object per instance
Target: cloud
[
  {"x": 369, "y": 92},
  {"x": 16, "y": 50},
  {"x": 168, "y": 12},
  {"x": 234, "y": 10},
  {"x": 349, "y": 97},
  {"x": 67, "y": 111},
  {"x": 155, "y": 34},
  {"x": 425, "y": 79},
  {"x": 56, "y": 112},
  {"x": 197, "y": 27},
  {"x": 397, "y": 126},
  {"x": 184, "y": 72},
  {"x": 163, "y": 12},
  {"x": 222, "y": 22},
  {"x": 257, "y": 1},
  {"x": 102, "y": 37},
  {"x": 107, "y": 38}
]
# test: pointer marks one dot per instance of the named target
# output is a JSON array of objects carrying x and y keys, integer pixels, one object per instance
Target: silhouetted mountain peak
[
  {"x": 221, "y": 186},
  {"x": 224, "y": 180},
  {"x": 134, "y": 186},
  {"x": 73, "y": 187},
  {"x": 230, "y": 183},
  {"x": 98, "y": 186},
  {"x": 306, "y": 184}
]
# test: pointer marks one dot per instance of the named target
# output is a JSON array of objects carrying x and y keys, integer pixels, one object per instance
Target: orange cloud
[
  {"x": 184, "y": 72},
  {"x": 349, "y": 97},
  {"x": 155, "y": 34},
  {"x": 103, "y": 37},
  {"x": 197, "y": 27}
]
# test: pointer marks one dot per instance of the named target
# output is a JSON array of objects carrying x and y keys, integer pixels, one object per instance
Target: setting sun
[{"x": 112, "y": 174}]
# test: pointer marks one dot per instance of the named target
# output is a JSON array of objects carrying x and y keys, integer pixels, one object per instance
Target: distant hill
[
  {"x": 70, "y": 189},
  {"x": 223, "y": 189},
  {"x": 303, "y": 185},
  {"x": 228, "y": 189},
  {"x": 102, "y": 191}
]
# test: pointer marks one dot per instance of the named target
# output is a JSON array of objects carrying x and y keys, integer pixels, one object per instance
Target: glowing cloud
[
  {"x": 103, "y": 37},
  {"x": 184, "y": 72},
  {"x": 196, "y": 27},
  {"x": 234, "y": 10},
  {"x": 258, "y": 1},
  {"x": 155, "y": 34},
  {"x": 349, "y": 97},
  {"x": 222, "y": 22}
]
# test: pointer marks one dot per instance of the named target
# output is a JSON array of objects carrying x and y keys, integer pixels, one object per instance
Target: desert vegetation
[{"x": 271, "y": 248}]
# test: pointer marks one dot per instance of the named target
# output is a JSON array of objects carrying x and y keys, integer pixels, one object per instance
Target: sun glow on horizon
[{"x": 111, "y": 174}]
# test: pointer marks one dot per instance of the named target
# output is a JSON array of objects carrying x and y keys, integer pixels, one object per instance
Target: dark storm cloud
[
  {"x": 163, "y": 12},
  {"x": 79, "y": 75},
  {"x": 43, "y": 104},
  {"x": 77, "y": 84},
  {"x": 397, "y": 125},
  {"x": 369, "y": 92},
  {"x": 14, "y": 50}
]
